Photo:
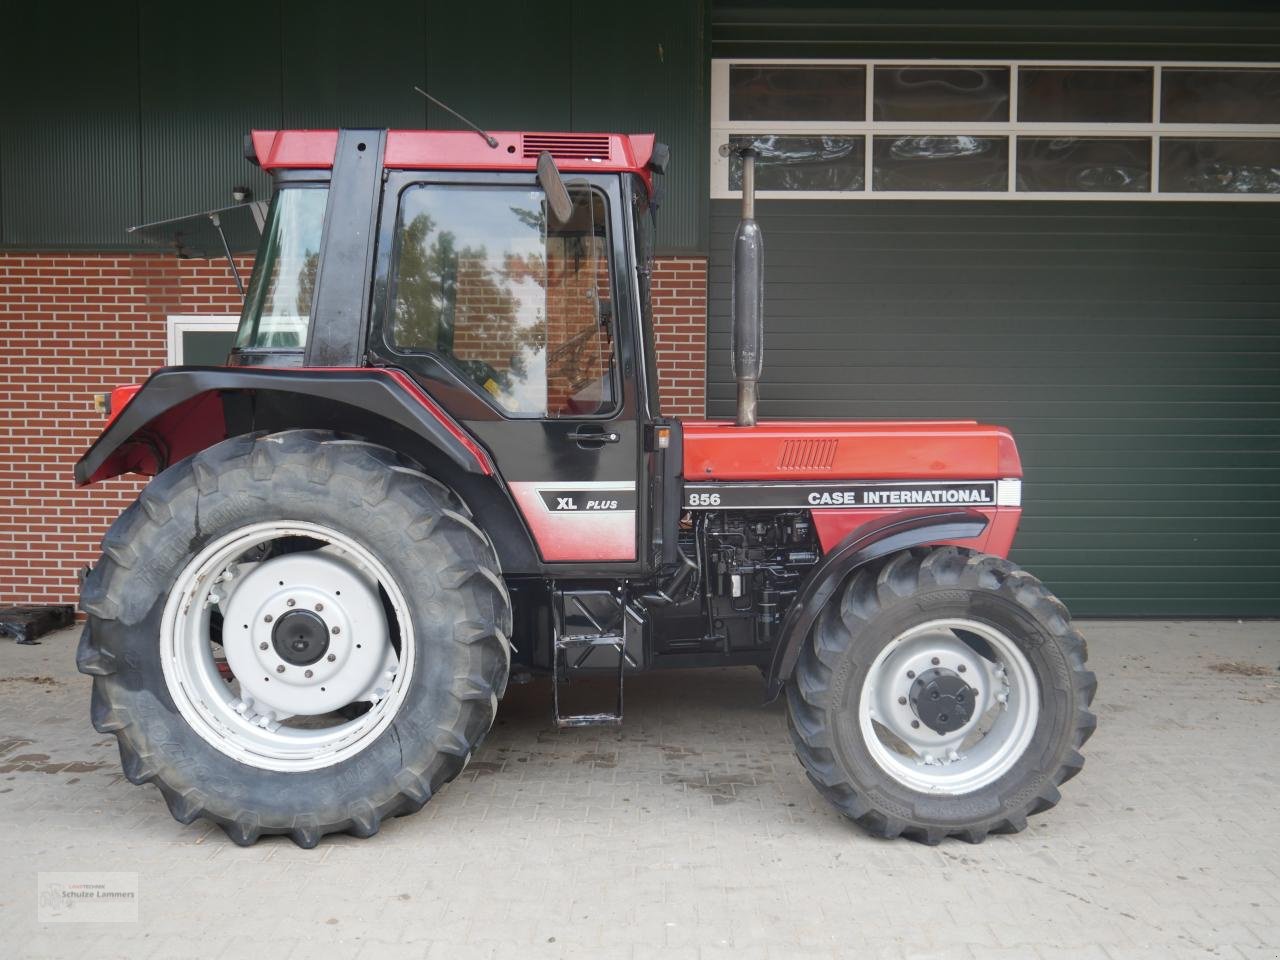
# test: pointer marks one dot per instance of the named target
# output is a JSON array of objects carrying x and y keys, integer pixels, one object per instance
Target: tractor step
[
  {"x": 564, "y": 647},
  {"x": 587, "y": 619}
]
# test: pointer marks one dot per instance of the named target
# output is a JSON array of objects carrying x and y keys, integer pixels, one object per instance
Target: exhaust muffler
[{"x": 746, "y": 343}]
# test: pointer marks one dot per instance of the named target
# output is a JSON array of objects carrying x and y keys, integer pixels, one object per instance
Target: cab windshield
[
  {"x": 277, "y": 308},
  {"x": 516, "y": 303}
]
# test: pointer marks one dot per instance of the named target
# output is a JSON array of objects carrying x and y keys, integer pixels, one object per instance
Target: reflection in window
[
  {"x": 277, "y": 306},
  {"x": 1218, "y": 95},
  {"x": 941, "y": 94},
  {"x": 519, "y": 305},
  {"x": 1223, "y": 165},
  {"x": 1085, "y": 164},
  {"x": 939, "y": 162},
  {"x": 797, "y": 93},
  {"x": 1084, "y": 94},
  {"x": 802, "y": 162}
]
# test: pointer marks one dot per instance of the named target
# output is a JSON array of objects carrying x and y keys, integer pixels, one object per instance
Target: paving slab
[{"x": 689, "y": 832}]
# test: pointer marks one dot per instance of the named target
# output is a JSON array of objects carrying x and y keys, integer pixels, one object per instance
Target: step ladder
[
  {"x": 587, "y": 644},
  {"x": 579, "y": 633}
]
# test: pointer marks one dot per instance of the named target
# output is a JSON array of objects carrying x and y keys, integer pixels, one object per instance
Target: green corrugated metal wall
[
  {"x": 1134, "y": 348},
  {"x": 127, "y": 113}
]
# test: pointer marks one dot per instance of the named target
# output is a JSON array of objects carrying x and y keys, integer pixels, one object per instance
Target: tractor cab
[{"x": 514, "y": 292}]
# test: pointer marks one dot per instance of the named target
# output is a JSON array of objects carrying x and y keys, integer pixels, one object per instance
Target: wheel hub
[
  {"x": 942, "y": 700},
  {"x": 300, "y": 637},
  {"x": 304, "y": 634},
  {"x": 948, "y": 706}
]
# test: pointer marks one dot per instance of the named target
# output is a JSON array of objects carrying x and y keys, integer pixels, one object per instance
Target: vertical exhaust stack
[{"x": 747, "y": 341}]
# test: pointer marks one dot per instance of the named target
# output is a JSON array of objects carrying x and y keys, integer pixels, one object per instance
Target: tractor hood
[{"x": 844, "y": 450}]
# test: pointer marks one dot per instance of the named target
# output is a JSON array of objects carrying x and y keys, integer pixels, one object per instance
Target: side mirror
[{"x": 553, "y": 186}]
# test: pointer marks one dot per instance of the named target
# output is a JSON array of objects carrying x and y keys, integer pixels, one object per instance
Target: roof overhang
[{"x": 462, "y": 150}]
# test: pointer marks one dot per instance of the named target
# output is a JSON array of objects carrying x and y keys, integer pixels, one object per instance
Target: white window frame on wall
[
  {"x": 722, "y": 128},
  {"x": 194, "y": 323}
]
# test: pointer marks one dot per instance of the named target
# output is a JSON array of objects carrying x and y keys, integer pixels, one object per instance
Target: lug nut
[
  {"x": 280, "y": 669},
  {"x": 319, "y": 607},
  {"x": 331, "y": 657},
  {"x": 902, "y": 700},
  {"x": 962, "y": 668},
  {"x": 935, "y": 661},
  {"x": 307, "y": 674},
  {"x": 911, "y": 674},
  {"x": 262, "y": 645},
  {"x": 336, "y": 630},
  {"x": 268, "y": 618},
  {"x": 915, "y": 724},
  {"x": 291, "y": 603}
]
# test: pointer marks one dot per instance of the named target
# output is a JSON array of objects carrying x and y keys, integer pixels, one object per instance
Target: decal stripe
[
  {"x": 816, "y": 496},
  {"x": 567, "y": 527}
]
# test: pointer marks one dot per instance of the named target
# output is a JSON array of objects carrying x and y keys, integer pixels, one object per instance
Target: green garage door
[{"x": 1134, "y": 349}]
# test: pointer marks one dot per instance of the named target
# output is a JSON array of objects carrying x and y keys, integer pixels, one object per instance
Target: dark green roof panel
[
  {"x": 1093, "y": 29},
  {"x": 70, "y": 118},
  {"x": 136, "y": 113}
]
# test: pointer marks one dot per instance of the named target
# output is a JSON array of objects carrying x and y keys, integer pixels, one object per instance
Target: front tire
[
  {"x": 295, "y": 634},
  {"x": 941, "y": 693}
]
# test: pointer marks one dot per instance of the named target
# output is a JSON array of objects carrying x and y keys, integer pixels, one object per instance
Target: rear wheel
[
  {"x": 297, "y": 634},
  {"x": 942, "y": 693}
]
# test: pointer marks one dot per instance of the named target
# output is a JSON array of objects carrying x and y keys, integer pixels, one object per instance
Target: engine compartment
[{"x": 749, "y": 567}]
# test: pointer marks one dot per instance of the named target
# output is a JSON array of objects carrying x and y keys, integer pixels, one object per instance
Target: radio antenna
[{"x": 491, "y": 141}]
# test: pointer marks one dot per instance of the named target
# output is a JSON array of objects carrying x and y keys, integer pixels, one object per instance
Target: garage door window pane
[
  {"x": 1086, "y": 164},
  {"x": 941, "y": 94},
  {"x": 1084, "y": 95},
  {"x": 797, "y": 93},
  {"x": 1225, "y": 165},
  {"x": 802, "y": 163},
  {"x": 1203, "y": 95},
  {"x": 940, "y": 163}
]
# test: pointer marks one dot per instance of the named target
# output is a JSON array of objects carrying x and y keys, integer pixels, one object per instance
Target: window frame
[
  {"x": 178, "y": 324},
  {"x": 385, "y": 297},
  {"x": 721, "y": 128}
]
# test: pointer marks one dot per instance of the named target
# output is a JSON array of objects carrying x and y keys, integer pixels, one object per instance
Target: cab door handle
[{"x": 592, "y": 435}]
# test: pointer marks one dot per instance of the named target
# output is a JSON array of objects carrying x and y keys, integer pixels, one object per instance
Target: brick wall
[
  {"x": 679, "y": 293},
  {"x": 72, "y": 325}
]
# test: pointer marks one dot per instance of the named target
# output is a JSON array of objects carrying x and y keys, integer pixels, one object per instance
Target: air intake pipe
[{"x": 747, "y": 339}]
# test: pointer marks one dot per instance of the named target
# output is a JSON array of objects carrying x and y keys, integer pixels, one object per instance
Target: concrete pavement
[{"x": 688, "y": 833}]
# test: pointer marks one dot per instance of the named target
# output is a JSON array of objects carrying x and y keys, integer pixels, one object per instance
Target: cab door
[{"x": 518, "y": 325}]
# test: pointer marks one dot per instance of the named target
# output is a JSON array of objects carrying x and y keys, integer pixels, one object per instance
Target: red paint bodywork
[
  {"x": 849, "y": 450},
  {"x": 834, "y": 450},
  {"x": 120, "y": 398},
  {"x": 200, "y": 422},
  {"x": 463, "y": 150},
  {"x": 606, "y": 537}
]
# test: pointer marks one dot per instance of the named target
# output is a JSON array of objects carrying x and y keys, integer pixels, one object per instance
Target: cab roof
[{"x": 462, "y": 150}]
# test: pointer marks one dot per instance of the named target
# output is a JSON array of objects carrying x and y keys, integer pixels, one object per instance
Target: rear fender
[
  {"x": 180, "y": 411},
  {"x": 877, "y": 538}
]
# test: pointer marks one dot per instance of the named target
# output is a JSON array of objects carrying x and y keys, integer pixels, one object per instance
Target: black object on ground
[{"x": 26, "y": 623}]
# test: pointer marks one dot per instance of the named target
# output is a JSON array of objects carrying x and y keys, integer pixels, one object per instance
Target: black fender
[
  {"x": 180, "y": 411},
  {"x": 872, "y": 540}
]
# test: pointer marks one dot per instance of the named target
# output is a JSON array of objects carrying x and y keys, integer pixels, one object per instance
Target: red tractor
[{"x": 436, "y": 455}]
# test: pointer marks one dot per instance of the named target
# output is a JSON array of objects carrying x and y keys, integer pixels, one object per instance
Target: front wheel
[
  {"x": 295, "y": 633},
  {"x": 941, "y": 693}
]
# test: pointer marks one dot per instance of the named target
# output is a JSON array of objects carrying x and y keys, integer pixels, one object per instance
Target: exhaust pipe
[{"x": 747, "y": 339}]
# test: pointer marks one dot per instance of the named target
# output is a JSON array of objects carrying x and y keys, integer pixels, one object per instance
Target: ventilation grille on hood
[{"x": 807, "y": 454}]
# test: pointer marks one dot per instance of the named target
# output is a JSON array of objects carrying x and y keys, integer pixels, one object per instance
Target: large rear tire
[
  {"x": 295, "y": 634},
  {"x": 941, "y": 693}
]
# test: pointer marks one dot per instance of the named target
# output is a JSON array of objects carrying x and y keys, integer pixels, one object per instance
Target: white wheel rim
[
  {"x": 1002, "y": 688},
  {"x": 277, "y": 714}
]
